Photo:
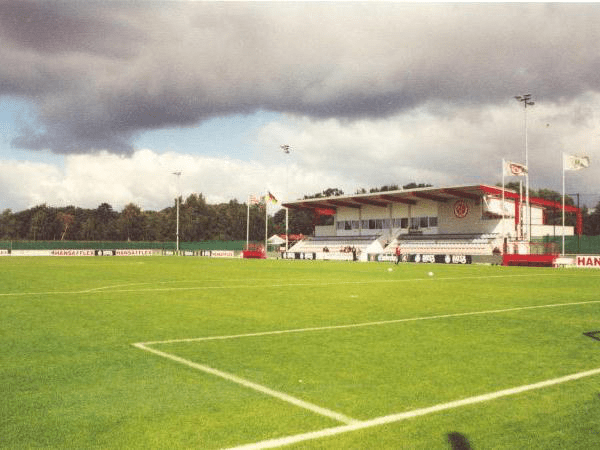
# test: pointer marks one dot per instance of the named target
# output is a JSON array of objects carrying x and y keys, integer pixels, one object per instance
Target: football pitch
[{"x": 186, "y": 352}]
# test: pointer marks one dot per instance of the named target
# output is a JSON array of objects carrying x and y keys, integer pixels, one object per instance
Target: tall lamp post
[
  {"x": 526, "y": 100},
  {"x": 286, "y": 150},
  {"x": 177, "y": 203}
]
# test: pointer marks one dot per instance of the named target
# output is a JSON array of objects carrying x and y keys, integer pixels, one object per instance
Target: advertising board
[
  {"x": 134, "y": 252},
  {"x": 78, "y": 252},
  {"x": 588, "y": 261}
]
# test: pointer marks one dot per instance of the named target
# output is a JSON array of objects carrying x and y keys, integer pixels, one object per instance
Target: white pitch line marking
[
  {"x": 288, "y": 440},
  {"x": 263, "y": 286},
  {"x": 112, "y": 286},
  {"x": 249, "y": 384},
  {"x": 367, "y": 324}
]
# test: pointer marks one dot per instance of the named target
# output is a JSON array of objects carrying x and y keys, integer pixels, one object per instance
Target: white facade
[{"x": 431, "y": 217}]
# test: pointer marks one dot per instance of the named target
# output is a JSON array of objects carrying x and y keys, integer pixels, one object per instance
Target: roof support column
[
  {"x": 360, "y": 221},
  {"x": 390, "y": 208},
  {"x": 517, "y": 214}
]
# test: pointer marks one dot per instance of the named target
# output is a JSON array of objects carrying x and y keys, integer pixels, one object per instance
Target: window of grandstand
[
  {"x": 384, "y": 224},
  {"x": 423, "y": 222}
]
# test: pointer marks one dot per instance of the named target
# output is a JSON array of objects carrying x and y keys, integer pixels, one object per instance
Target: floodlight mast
[
  {"x": 526, "y": 100},
  {"x": 178, "y": 174},
  {"x": 286, "y": 149}
]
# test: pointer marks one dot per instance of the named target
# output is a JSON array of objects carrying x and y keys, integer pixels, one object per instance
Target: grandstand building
[{"x": 453, "y": 224}]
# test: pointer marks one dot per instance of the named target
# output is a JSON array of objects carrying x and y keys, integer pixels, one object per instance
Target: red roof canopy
[{"x": 411, "y": 196}]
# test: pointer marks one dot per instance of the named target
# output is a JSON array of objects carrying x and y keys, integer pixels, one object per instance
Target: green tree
[
  {"x": 38, "y": 223},
  {"x": 131, "y": 223},
  {"x": 8, "y": 225},
  {"x": 591, "y": 222},
  {"x": 66, "y": 220},
  {"x": 105, "y": 222}
]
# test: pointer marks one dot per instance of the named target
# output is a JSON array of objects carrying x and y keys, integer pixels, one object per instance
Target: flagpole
[
  {"x": 520, "y": 231},
  {"x": 503, "y": 208},
  {"x": 563, "y": 205},
  {"x": 248, "y": 223},
  {"x": 286, "y": 151},
  {"x": 528, "y": 206}
]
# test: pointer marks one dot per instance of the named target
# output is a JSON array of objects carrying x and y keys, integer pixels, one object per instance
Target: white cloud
[
  {"x": 456, "y": 145},
  {"x": 146, "y": 179}
]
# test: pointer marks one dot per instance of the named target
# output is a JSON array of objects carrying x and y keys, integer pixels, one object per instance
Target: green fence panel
[{"x": 587, "y": 245}]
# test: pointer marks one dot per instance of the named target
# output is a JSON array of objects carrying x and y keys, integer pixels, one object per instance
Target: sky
[{"x": 103, "y": 101}]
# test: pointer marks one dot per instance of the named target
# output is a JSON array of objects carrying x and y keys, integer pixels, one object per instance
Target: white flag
[
  {"x": 512, "y": 169},
  {"x": 574, "y": 162}
]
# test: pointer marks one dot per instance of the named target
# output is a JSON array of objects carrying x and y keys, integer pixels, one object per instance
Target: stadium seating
[
  {"x": 434, "y": 244},
  {"x": 334, "y": 244},
  {"x": 444, "y": 244}
]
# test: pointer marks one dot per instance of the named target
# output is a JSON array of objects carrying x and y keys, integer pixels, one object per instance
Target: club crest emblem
[{"x": 461, "y": 209}]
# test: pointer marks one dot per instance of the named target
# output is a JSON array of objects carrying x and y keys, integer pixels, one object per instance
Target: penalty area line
[
  {"x": 251, "y": 385},
  {"x": 288, "y": 440},
  {"x": 369, "y": 324}
]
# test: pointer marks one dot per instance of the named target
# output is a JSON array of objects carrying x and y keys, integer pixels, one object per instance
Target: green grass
[{"x": 71, "y": 377}]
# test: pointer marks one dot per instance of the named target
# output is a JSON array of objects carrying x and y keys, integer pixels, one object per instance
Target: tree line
[{"x": 200, "y": 221}]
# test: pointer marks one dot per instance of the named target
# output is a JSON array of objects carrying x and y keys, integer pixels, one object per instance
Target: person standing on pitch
[{"x": 398, "y": 254}]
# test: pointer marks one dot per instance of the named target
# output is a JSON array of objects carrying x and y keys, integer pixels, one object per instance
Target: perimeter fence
[
  {"x": 586, "y": 245},
  {"x": 121, "y": 245}
]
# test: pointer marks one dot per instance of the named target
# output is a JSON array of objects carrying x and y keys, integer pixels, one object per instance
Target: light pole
[
  {"x": 177, "y": 203},
  {"x": 286, "y": 150},
  {"x": 526, "y": 100}
]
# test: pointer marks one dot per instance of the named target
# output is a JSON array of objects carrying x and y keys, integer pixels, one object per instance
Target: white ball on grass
[
  {"x": 430, "y": 274},
  {"x": 390, "y": 269}
]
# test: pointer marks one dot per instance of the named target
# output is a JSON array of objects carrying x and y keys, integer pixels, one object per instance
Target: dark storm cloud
[
  {"x": 56, "y": 27},
  {"x": 99, "y": 73}
]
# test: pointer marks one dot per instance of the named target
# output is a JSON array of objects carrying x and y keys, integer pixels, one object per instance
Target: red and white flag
[{"x": 512, "y": 169}]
